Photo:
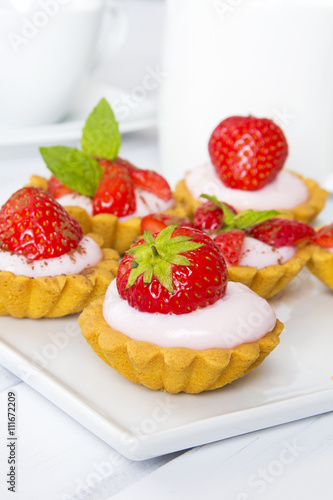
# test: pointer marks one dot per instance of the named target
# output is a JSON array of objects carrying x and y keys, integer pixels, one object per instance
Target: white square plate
[{"x": 294, "y": 382}]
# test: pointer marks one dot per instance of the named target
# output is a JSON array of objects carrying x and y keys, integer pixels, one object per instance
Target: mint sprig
[
  {"x": 77, "y": 169},
  {"x": 100, "y": 136},
  {"x": 73, "y": 168},
  {"x": 242, "y": 220},
  {"x": 155, "y": 257}
]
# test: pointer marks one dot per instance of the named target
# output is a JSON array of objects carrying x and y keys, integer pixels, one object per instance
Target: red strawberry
[
  {"x": 281, "y": 232},
  {"x": 247, "y": 152},
  {"x": 148, "y": 180},
  {"x": 178, "y": 271},
  {"x": 57, "y": 188},
  {"x": 33, "y": 224},
  {"x": 230, "y": 245},
  {"x": 115, "y": 191},
  {"x": 324, "y": 237},
  {"x": 210, "y": 216},
  {"x": 154, "y": 223}
]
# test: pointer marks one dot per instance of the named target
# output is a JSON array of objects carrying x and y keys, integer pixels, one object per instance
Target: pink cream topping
[
  {"x": 284, "y": 192},
  {"x": 241, "y": 316},
  {"x": 146, "y": 203},
  {"x": 87, "y": 254}
]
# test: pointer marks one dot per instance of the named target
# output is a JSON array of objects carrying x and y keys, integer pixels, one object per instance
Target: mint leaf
[
  {"x": 73, "y": 168},
  {"x": 100, "y": 136},
  {"x": 227, "y": 213},
  {"x": 251, "y": 217}
]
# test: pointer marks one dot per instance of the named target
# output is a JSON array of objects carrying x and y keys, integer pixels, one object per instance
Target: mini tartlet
[
  {"x": 103, "y": 192},
  {"x": 246, "y": 170},
  {"x": 176, "y": 368},
  {"x": 320, "y": 261},
  {"x": 305, "y": 212},
  {"x": 116, "y": 233},
  {"x": 30, "y": 284}
]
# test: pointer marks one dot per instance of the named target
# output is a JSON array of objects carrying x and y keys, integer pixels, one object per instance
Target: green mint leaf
[
  {"x": 228, "y": 214},
  {"x": 100, "y": 136},
  {"x": 251, "y": 217},
  {"x": 73, "y": 168}
]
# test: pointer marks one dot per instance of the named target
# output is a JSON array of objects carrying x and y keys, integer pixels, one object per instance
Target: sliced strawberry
[
  {"x": 208, "y": 216},
  {"x": 175, "y": 272},
  {"x": 247, "y": 152},
  {"x": 230, "y": 245},
  {"x": 57, "y": 188},
  {"x": 148, "y": 180},
  {"x": 33, "y": 224},
  {"x": 324, "y": 237},
  {"x": 115, "y": 191},
  {"x": 154, "y": 223},
  {"x": 281, "y": 232}
]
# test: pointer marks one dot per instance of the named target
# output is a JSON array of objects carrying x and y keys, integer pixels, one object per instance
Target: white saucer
[{"x": 134, "y": 116}]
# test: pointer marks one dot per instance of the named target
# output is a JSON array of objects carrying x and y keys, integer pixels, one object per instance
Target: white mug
[
  {"x": 47, "y": 48},
  {"x": 268, "y": 58}
]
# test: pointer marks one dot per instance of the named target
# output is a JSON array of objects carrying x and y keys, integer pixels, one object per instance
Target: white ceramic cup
[
  {"x": 47, "y": 48},
  {"x": 268, "y": 58}
]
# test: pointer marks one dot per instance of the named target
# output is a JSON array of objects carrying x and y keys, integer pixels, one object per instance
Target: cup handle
[{"x": 117, "y": 29}]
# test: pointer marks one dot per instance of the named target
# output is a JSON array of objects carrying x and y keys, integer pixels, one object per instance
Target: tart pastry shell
[
  {"x": 320, "y": 264},
  {"x": 172, "y": 369},
  {"x": 56, "y": 296},
  {"x": 269, "y": 280},
  {"x": 305, "y": 212},
  {"x": 116, "y": 234}
]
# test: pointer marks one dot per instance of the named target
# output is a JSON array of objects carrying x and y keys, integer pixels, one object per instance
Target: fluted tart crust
[
  {"x": 53, "y": 297},
  {"x": 306, "y": 212},
  {"x": 172, "y": 369}
]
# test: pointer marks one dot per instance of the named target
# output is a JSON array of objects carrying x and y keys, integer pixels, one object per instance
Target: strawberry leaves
[
  {"x": 77, "y": 169},
  {"x": 156, "y": 256}
]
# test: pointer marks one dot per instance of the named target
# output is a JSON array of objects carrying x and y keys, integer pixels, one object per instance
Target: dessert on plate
[
  {"x": 171, "y": 320},
  {"x": 321, "y": 255},
  {"x": 106, "y": 194},
  {"x": 48, "y": 268},
  {"x": 246, "y": 170},
  {"x": 261, "y": 250}
]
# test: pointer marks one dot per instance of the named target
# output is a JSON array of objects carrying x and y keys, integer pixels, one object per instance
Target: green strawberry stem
[
  {"x": 242, "y": 220},
  {"x": 155, "y": 257}
]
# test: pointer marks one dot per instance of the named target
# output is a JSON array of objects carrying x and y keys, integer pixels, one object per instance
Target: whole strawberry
[
  {"x": 281, "y": 232},
  {"x": 178, "y": 271},
  {"x": 33, "y": 224},
  {"x": 247, "y": 152},
  {"x": 324, "y": 237}
]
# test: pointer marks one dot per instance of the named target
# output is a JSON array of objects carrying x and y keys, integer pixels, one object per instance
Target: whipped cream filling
[
  {"x": 87, "y": 254},
  {"x": 146, "y": 203},
  {"x": 256, "y": 253},
  {"x": 284, "y": 192},
  {"x": 239, "y": 317},
  {"x": 330, "y": 249}
]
